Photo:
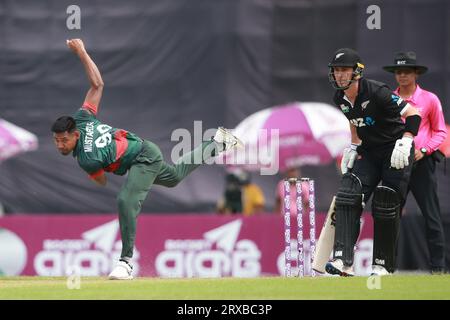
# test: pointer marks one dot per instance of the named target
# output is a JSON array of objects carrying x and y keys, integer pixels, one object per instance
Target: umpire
[
  {"x": 432, "y": 133},
  {"x": 380, "y": 151}
]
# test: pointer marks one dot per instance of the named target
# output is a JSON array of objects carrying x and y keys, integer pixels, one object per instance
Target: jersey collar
[
  {"x": 414, "y": 97},
  {"x": 362, "y": 85}
]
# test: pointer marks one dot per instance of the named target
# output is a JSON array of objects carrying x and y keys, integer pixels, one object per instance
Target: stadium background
[{"x": 168, "y": 63}]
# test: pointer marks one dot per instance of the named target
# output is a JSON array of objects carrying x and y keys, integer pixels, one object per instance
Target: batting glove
[
  {"x": 402, "y": 150},
  {"x": 348, "y": 158}
]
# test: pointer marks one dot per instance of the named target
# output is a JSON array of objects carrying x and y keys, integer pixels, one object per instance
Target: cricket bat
[{"x": 326, "y": 241}]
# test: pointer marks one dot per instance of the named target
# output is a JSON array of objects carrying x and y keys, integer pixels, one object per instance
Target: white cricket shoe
[
  {"x": 336, "y": 267},
  {"x": 348, "y": 272},
  {"x": 379, "y": 271},
  {"x": 122, "y": 271},
  {"x": 225, "y": 137}
]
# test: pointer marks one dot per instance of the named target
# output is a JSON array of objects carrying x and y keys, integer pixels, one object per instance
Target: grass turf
[{"x": 401, "y": 287}]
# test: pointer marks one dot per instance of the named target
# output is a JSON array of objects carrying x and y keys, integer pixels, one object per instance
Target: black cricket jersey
[{"x": 375, "y": 114}]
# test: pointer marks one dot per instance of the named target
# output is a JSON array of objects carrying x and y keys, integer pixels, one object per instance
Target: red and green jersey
[{"x": 101, "y": 147}]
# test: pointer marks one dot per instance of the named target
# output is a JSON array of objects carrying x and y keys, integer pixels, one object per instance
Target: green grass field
[{"x": 276, "y": 288}]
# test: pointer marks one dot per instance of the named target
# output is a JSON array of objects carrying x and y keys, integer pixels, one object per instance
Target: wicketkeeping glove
[
  {"x": 401, "y": 153},
  {"x": 348, "y": 158}
]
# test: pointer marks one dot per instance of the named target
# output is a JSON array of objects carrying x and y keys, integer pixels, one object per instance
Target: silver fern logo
[{"x": 364, "y": 104}]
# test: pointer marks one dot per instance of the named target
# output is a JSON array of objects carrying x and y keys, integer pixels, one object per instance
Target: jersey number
[{"x": 105, "y": 137}]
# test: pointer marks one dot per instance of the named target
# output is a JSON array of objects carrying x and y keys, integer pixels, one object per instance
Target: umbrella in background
[
  {"x": 15, "y": 140},
  {"x": 308, "y": 133}
]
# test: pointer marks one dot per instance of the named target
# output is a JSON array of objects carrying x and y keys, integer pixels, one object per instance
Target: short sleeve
[
  {"x": 83, "y": 115},
  {"x": 90, "y": 107}
]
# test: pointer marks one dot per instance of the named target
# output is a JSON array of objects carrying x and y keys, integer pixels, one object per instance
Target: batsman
[
  {"x": 381, "y": 150},
  {"x": 100, "y": 148}
]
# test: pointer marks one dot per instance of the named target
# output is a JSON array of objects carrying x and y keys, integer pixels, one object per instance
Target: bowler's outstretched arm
[{"x": 94, "y": 94}]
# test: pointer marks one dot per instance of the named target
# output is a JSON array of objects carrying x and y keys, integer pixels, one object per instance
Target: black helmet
[{"x": 345, "y": 57}]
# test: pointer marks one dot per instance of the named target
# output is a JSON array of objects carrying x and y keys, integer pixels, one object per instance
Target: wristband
[{"x": 412, "y": 124}]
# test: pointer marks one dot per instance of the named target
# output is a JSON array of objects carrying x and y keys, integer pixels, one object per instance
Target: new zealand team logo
[{"x": 364, "y": 104}]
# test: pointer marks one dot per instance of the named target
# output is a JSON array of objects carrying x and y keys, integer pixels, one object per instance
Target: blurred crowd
[{"x": 242, "y": 196}]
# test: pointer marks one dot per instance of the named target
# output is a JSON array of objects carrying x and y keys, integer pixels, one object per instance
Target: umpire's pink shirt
[{"x": 432, "y": 131}]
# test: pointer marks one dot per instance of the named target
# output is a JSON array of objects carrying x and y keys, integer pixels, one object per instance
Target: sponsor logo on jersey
[
  {"x": 369, "y": 121},
  {"x": 362, "y": 122},
  {"x": 396, "y": 99},
  {"x": 344, "y": 108}
]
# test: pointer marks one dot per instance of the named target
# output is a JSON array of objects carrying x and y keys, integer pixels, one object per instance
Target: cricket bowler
[{"x": 100, "y": 148}]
